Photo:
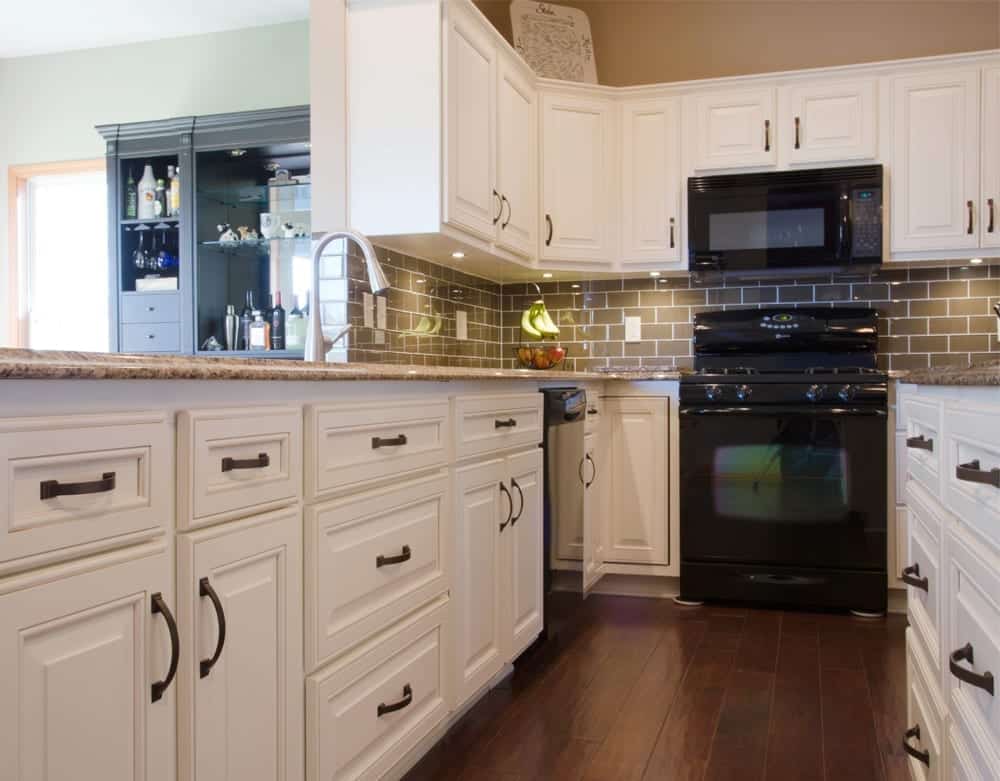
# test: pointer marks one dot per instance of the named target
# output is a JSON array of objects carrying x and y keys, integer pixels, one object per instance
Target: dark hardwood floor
[{"x": 643, "y": 689}]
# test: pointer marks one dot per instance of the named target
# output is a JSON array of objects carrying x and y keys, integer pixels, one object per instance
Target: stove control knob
[
  {"x": 744, "y": 392},
  {"x": 815, "y": 392},
  {"x": 713, "y": 392},
  {"x": 846, "y": 393}
]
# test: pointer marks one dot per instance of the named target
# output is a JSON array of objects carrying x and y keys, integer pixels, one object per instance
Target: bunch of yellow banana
[
  {"x": 536, "y": 322},
  {"x": 428, "y": 326}
]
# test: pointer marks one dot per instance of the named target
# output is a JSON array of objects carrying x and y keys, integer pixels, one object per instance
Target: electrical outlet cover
[
  {"x": 633, "y": 329},
  {"x": 461, "y": 324},
  {"x": 368, "y": 307}
]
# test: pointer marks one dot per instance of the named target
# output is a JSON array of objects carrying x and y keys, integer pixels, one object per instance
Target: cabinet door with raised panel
[
  {"x": 524, "y": 544},
  {"x": 241, "y": 694},
  {"x": 735, "y": 129},
  {"x": 477, "y": 598},
  {"x": 577, "y": 144},
  {"x": 594, "y": 515},
  {"x": 828, "y": 122},
  {"x": 81, "y": 654},
  {"x": 989, "y": 223},
  {"x": 637, "y": 479},
  {"x": 517, "y": 158},
  {"x": 935, "y": 153},
  {"x": 470, "y": 73},
  {"x": 651, "y": 183}
]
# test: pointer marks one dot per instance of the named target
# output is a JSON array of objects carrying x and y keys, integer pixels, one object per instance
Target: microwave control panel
[{"x": 866, "y": 222}]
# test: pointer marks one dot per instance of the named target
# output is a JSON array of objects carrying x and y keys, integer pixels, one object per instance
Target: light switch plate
[
  {"x": 461, "y": 324},
  {"x": 368, "y": 307},
  {"x": 633, "y": 329},
  {"x": 380, "y": 312}
]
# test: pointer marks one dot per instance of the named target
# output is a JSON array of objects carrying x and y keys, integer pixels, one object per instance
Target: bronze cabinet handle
[
  {"x": 399, "y": 705},
  {"x": 969, "y": 205},
  {"x": 382, "y": 561},
  {"x": 919, "y": 443},
  {"x": 158, "y": 605},
  {"x": 520, "y": 493},
  {"x": 510, "y": 507},
  {"x": 205, "y": 590},
  {"x": 50, "y": 489},
  {"x": 911, "y": 577},
  {"x": 917, "y": 754},
  {"x": 496, "y": 217},
  {"x": 509, "y": 423},
  {"x": 798, "y": 124},
  {"x": 982, "y": 681},
  {"x": 593, "y": 466},
  {"x": 767, "y": 135},
  {"x": 396, "y": 441},
  {"x": 504, "y": 201},
  {"x": 262, "y": 460},
  {"x": 991, "y": 208},
  {"x": 672, "y": 222},
  {"x": 971, "y": 473},
  {"x": 548, "y": 239}
]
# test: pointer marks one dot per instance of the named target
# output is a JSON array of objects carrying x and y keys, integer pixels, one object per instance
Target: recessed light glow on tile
[
  {"x": 458, "y": 254},
  {"x": 547, "y": 275},
  {"x": 575, "y": 286},
  {"x": 976, "y": 261},
  {"x": 654, "y": 273}
]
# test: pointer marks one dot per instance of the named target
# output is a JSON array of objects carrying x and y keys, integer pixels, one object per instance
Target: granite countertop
[
  {"x": 984, "y": 373},
  {"x": 22, "y": 364}
]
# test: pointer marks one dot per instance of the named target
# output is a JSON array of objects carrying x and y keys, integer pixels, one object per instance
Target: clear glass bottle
[
  {"x": 260, "y": 332},
  {"x": 174, "y": 197}
]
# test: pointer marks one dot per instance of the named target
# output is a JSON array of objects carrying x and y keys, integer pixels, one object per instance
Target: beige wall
[{"x": 659, "y": 41}]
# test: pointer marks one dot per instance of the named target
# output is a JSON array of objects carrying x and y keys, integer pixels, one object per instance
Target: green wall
[{"x": 49, "y": 104}]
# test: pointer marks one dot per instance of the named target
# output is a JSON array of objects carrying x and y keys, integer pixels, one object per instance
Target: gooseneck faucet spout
[{"x": 316, "y": 344}]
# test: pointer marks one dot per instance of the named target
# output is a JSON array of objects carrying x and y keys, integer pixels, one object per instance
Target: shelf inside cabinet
[
  {"x": 302, "y": 243},
  {"x": 291, "y": 197},
  {"x": 173, "y": 222}
]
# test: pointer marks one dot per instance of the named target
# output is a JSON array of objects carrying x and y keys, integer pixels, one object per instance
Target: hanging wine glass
[{"x": 139, "y": 256}]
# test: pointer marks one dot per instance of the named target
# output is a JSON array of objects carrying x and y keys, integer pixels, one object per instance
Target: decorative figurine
[
  {"x": 227, "y": 235},
  {"x": 247, "y": 233}
]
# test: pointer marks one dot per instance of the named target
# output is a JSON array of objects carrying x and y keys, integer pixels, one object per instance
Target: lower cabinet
[
  {"x": 87, "y": 658},
  {"x": 497, "y": 593},
  {"x": 240, "y": 613}
]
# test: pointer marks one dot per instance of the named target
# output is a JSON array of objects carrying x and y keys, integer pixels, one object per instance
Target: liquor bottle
[
  {"x": 160, "y": 199},
  {"x": 295, "y": 328},
  {"x": 232, "y": 327},
  {"x": 174, "y": 198},
  {"x": 147, "y": 194},
  {"x": 277, "y": 320},
  {"x": 259, "y": 332},
  {"x": 131, "y": 198},
  {"x": 246, "y": 317}
]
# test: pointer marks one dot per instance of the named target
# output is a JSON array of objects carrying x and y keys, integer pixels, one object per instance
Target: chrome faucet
[{"x": 317, "y": 345}]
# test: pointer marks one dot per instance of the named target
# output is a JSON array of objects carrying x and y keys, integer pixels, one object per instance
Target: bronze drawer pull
[
  {"x": 964, "y": 654},
  {"x": 383, "y": 561},
  {"x": 971, "y": 473},
  {"x": 911, "y": 577},
  {"x": 229, "y": 464},
  {"x": 919, "y": 443},
  {"x": 767, "y": 135},
  {"x": 917, "y": 754},
  {"x": 509, "y": 423},
  {"x": 378, "y": 442},
  {"x": 970, "y": 206},
  {"x": 798, "y": 124},
  {"x": 50, "y": 489},
  {"x": 394, "y": 706}
]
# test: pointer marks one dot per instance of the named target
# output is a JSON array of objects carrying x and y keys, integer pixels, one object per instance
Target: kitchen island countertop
[{"x": 984, "y": 373}]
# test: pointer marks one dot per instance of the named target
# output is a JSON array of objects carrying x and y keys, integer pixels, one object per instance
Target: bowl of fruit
[{"x": 547, "y": 357}]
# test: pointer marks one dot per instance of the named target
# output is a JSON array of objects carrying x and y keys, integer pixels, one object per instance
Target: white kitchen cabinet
[
  {"x": 517, "y": 157},
  {"x": 578, "y": 181},
  {"x": 828, "y": 122},
  {"x": 470, "y": 101},
  {"x": 651, "y": 183},
  {"x": 989, "y": 221},
  {"x": 594, "y": 515},
  {"x": 84, "y": 649},
  {"x": 735, "y": 129},
  {"x": 636, "y": 479},
  {"x": 240, "y": 612},
  {"x": 935, "y": 161},
  {"x": 497, "y": 595}
]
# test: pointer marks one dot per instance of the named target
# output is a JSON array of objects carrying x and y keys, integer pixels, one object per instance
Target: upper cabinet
[
  {"x": 735, "y": 129},
  {"x": 577, "y": 177},
  {"x": 935, "y": 161},
  {"x": 989, "y": 221},
  {"x": 828, "y": 122},
  {"x": 651, "y": 182},
  {"x": 516, "y": 157}
]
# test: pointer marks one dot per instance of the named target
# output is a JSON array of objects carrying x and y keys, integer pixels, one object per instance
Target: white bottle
[{"x": 147, "y": 194}]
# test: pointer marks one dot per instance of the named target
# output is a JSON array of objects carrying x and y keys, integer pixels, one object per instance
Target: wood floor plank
[
  {"x": 759, "y": 642},
  {"x": 848, "y": 726},
  {"x": 626, "y": 749},
  {"x": 795, "y": 742},
  {"x": 740, "y": 744},
  {"x": 883, "y": 650},
  {"x": 840, "y": 648}
]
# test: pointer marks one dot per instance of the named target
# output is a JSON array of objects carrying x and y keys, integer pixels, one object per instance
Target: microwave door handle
[{"x": 843, "y": 251}]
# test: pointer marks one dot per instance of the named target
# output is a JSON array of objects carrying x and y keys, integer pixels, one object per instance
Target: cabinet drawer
[
  {"x": 924, "y": 601},
  {"x": 350, "y": 445},
  {"x": 972, "y": 450},
  {"x": 365, "y": 713},
  {"x": 370, "y": 560},
  {"x": 974, "y": 625},
  {"x": 151, "y": 308},
  {"x": 924, "y": 717},
  {"x": 237, "y": 462},
  {"x": 78, "y": 484},
  {"x": 487, "y": 424},
  {"x": 151, "y": 337},
  {"x": 923, "y": 443}
]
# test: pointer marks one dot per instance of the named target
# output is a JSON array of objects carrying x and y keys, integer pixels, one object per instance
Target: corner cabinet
[{"x": 578, "y": 177}]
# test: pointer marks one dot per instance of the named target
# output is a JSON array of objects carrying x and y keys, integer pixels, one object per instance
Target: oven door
[
  {"x": 798, "y": 486},
  {"x": 763, "y": 226}
]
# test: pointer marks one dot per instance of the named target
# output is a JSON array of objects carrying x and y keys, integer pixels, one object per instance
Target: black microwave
[{"x": 812, "y": 219}]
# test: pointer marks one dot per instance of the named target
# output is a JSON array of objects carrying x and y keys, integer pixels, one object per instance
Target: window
[{"x": 61, "y": 272}]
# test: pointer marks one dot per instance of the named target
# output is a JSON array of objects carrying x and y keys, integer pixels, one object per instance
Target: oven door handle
[{"x": 765, "y": 410}]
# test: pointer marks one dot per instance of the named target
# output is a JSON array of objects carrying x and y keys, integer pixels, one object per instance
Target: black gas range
[{"x": 783, "y": 460}]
